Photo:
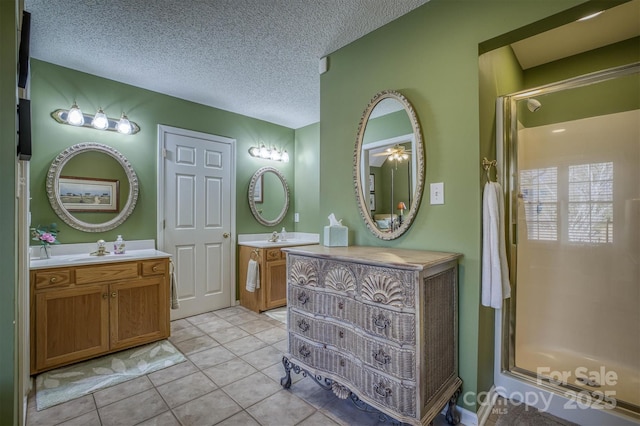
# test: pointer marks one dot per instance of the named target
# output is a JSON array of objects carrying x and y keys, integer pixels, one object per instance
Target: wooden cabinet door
[
  {"x": 72, "y": 324},
  {"x": 276, "y": 285},
  {"x": 138, "y": 311}
]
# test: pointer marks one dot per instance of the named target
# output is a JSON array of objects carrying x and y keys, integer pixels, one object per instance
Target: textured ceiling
[{"x": 254, "y": 57}]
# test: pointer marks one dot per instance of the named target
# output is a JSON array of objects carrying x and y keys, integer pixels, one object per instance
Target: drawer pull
[
  {"x": 341, "y": 334},
  {"x": 381, "y": 358},
  {"x": 155, "y": 268},
  {"x": 303, "y": 325},
  {"x": 381, "y": 390},
  {"x": 304, "y": 351},
  {"x": 114, "y": 294},
  {"x": 340, "y": 305},
  {"x": 303, "y": 298},
  {"x": 53, "y": 280},
  {"x": 342, "y": 362},
  {"x": 380, "y": 321}
]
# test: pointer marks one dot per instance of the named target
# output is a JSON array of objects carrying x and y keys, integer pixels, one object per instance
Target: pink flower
[{"x": 47, "y": 237}]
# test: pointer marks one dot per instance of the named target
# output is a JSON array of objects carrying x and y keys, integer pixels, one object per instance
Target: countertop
[
  {"x": 378, "y": 256},
  {"x": 87, "y": 259}
]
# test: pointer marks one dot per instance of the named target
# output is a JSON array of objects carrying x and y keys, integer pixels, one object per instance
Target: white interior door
[{"x": 197, "y": 217}]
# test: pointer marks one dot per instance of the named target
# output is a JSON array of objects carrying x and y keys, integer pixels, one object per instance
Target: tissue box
[{"x": 336, "y": 236}]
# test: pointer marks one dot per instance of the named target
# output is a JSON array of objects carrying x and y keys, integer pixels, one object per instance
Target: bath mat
[
  {"x": 73, "y": 381},
  {"x": 279, "y": 314}
]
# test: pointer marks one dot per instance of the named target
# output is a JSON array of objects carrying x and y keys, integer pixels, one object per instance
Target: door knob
[{"x": 226, "y": 235}]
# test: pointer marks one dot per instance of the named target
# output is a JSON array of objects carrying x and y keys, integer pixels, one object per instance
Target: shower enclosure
[{"x": 570, "y": 164}]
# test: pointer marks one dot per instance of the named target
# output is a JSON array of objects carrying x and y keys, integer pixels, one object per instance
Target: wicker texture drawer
[
  {"x": 394, "y": 360},
  {"x": 394, "y": 394}
]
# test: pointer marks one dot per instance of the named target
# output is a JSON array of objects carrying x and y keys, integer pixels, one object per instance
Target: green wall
[
  {"x": 8, "y": 242},
  {"x": 306, "y": 198},
  {"x": 54, "y": 87},
  {"x": 431, "y": 56}
]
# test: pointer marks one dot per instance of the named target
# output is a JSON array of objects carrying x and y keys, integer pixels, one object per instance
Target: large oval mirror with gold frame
[
  {"x": 389, "y": 165},
  {"x": 92, "y": 187}
]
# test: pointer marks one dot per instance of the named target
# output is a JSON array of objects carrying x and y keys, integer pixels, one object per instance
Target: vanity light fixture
[
  {"x": 75, "y": 117},
  {"x": 269, "y": 153}
]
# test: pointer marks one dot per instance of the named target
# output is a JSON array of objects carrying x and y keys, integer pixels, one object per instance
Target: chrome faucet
[{"x": 274, "y": 237}]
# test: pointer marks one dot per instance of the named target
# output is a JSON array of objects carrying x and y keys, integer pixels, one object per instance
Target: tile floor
[{"x": 231, "y": 377}]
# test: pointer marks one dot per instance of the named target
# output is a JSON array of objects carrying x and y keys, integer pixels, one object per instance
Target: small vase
[{"x": 45, "y": 252}]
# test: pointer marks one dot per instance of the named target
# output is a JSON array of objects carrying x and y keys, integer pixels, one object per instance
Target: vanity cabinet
[
  {"x": 79, "y": 312},
  {"x": 272, "y": 265},
  {"x": 377, "y": 325}
]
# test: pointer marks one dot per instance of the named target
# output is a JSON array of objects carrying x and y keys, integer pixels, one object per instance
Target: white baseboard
[{"x": 485, "y": 409}]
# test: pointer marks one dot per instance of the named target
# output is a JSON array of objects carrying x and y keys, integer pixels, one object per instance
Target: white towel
[
  {"x": 495, "y": 271},
  {"x": 253, "y": 276},
  {"x": 175, "y": 303}
]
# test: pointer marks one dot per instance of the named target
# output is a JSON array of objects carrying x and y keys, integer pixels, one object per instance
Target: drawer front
[
  {"x": 111, "y": 272},
  {"x": 398, "y": 327},
  {"x": 273, "y": 254},
  {"x": 393, "y": 394},
  {"x": 52, "y": 278},
  {"x": 399, "y": 362},
  {"x": 154, "y": 267}
]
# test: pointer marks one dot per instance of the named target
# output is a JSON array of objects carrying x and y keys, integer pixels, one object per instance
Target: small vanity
[
  {"x": 272, "y": 270},
  {"x": 84, "y": 306}
]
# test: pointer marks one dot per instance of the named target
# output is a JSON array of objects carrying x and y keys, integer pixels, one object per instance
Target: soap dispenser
[
  {"x": 118, "y": 246},
  {"x": 283, "y": 234}
]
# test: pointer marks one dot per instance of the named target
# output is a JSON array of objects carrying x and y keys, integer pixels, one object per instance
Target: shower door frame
[{"x": 507, "y": 169}]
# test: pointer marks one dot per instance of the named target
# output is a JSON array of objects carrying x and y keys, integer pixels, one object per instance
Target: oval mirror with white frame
[
  {"x": 92, "y": 187},
  {"x": 268, "y": 196},
  {"x": 389, "y": 165}
]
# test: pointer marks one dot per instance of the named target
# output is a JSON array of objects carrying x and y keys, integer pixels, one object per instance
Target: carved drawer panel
[
  {"x": 302, "y": 271},
  {"x": 394, "y": 394},
  {"x": 398, "y": 327},
  {"x": 399, "y": 362},
  {"x": 398, "y": 396}
]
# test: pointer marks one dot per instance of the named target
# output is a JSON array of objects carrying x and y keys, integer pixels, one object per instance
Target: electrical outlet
[
  {"x": 296, "y": 217},
  {"x": 437, "y": 193}
]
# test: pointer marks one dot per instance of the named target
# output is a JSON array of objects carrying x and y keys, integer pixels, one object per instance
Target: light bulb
[
  {"x": 254, "y": 151},
  {"x": 285, "y": 156},
  {"x": 275, "y": 155},
  {"x": 124, "y": 125},
  {"x": 264, "y": 152},
  {"x": 74, "y": 116},
  {"x": 100, "y": 121}
]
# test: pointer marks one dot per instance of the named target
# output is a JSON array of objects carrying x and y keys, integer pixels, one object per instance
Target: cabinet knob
[
  {"x": 114, "y": 294},
  {"x": 155, "y": 268},
  {"x": 105, "y": 295},
  {"x": 53, "y": 279}
]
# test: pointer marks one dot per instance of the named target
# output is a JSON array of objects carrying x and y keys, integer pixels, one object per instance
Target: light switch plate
[
  {"x": 296, "y": 217},
  {"x": 437, "y": 193}
]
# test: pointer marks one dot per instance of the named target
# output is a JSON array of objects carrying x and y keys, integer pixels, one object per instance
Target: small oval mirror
[
  {"x": 389, "y": 165},
  {"x": 91, "y": 202},
  {"x": 268, "y": 196}
]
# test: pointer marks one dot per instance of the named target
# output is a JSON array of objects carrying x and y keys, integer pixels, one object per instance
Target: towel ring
[
  {"x": 486, "y": 165},
  {"x": 255, "y": 253}
]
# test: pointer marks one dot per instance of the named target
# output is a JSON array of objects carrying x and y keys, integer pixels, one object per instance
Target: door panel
[{"x": 198, "y": 207}]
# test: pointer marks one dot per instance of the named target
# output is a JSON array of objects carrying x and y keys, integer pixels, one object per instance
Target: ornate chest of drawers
[{"x": 377, "y": 325}]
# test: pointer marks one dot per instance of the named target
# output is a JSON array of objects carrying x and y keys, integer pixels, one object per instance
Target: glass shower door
[{"x": 576, "y": 210}]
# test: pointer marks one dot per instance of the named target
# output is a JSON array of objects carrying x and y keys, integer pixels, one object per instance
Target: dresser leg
[
  {"x": 286, "y": 380},
  {"x": 452, "y": 416}
]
